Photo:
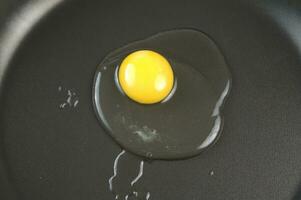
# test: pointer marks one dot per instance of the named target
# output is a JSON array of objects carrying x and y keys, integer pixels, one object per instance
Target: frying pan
[{"x": 54, "y": 149}]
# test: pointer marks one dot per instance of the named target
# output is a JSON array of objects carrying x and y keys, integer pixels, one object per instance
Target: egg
[
  {"x": 161, "y": 97},
  {"x": 146, "y": 77}
]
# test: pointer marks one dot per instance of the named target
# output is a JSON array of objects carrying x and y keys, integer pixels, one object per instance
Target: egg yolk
[{"x": 146, "y": 77}]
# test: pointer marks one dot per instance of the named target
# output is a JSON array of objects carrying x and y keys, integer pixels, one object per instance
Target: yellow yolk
[{"x": 146, "y": 77}]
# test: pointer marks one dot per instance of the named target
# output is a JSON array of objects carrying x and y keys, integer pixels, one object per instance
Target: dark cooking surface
[{"x": 48, "y": 152}]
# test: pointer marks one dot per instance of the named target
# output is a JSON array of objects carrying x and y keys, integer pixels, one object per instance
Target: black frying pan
[{"x": 54, "y": 149}]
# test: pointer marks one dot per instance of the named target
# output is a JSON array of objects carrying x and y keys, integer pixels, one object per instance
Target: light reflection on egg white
[
  {"x": 218, "y": 122},
  {"x": 97, "y": 102}
]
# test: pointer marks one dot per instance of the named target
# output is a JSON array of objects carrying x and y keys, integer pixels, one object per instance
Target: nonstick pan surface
[{"x": 51, "y": 48}]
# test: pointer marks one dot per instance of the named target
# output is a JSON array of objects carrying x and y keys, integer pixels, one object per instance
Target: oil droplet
[{"x": 70, "y": 98}]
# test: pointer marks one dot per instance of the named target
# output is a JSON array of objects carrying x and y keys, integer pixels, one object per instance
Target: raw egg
[{"x": 161, "y": 97}]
